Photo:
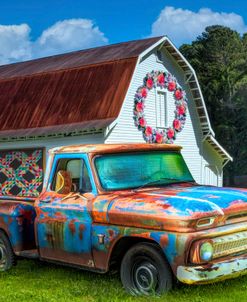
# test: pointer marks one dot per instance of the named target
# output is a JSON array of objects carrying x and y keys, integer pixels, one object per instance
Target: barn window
[{"x": 161, "y": 110}]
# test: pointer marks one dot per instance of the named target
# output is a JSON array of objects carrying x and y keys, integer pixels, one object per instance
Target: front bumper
[{"x": 218, "y": 271}]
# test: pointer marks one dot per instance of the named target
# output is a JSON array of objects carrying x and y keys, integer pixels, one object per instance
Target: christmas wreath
[{"x": 163, "y": 80}]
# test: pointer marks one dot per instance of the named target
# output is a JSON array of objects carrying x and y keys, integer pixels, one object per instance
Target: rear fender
[{"x": 17, "y": 221}]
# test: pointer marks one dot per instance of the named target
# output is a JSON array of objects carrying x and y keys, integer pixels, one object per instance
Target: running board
[{"x": 32, "y": 254}]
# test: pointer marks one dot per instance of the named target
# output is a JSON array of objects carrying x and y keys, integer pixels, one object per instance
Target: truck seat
[{"x": 63, "y": 182}]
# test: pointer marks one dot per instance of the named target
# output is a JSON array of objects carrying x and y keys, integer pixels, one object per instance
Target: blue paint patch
[
  {"x": 170, "y": 250},
  {"x": 221, "y": 197}
]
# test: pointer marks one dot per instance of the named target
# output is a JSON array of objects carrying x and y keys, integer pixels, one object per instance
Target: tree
[{"x": 219, "y": 56}]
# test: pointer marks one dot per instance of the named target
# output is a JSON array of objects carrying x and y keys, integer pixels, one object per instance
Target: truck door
[{"x": 63, "y": 223}]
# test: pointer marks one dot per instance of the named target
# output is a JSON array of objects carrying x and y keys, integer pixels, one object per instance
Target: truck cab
[{"x": 134, "y": 206}]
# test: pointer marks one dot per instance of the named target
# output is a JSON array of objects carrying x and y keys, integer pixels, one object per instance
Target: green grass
[{"x": 37, "y": 281}]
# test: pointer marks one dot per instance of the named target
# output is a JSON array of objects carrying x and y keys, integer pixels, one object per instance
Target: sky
[{"x": 31, "y": 29}]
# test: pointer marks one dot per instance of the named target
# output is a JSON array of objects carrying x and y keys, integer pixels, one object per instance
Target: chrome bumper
[{"x": 218, "y": 271}]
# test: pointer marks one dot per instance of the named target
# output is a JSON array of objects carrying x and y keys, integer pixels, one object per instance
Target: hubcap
[
  {"x": 145, "y": 277},
  {"x": 3, "y": 256}
]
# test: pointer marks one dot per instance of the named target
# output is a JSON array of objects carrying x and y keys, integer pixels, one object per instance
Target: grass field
[{"x": 38, "y": 281}]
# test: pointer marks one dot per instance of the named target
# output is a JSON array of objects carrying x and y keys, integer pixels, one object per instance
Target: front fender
[{"x": 173, "y": 245}]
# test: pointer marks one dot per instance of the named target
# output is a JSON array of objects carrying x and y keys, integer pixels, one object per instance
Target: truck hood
[{"x": 174, "y": 207}]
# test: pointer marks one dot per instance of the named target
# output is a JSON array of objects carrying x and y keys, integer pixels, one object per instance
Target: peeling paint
[{"x": 67, "y": 228}]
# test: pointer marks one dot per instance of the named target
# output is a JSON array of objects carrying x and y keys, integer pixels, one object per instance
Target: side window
[{"x": 71, "y": 176}]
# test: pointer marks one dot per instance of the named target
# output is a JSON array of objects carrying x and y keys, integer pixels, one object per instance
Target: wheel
[
  {"x": 7, "y": 257},
  {"x": 145, "y": 271}
]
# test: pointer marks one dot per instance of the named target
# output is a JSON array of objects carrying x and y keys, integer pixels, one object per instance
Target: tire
[
  {"x": 145, "y": 271},
  {"x": 7, "y": 257}
]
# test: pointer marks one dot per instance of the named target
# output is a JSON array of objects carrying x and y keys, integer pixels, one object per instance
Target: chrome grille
[{"x": 230, "y": 244}]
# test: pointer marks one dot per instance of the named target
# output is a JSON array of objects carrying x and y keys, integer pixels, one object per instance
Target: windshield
[{"x": 135, "y": 170}]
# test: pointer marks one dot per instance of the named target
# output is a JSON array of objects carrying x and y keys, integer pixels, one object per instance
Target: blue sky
[{"x": 31, "y": 29}]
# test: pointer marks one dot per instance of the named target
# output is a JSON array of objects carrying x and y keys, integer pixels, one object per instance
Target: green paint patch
[{"x": 39, "y": 281}]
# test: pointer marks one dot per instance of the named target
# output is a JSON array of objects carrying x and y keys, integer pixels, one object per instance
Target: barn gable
[
  {"x": 187, "y": 76},
  {"x": 197, "y": 137}
]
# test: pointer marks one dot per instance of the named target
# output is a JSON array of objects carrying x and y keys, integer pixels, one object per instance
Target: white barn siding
[
  {"x": 212, "y": 166},
  {"x": 190, "y": 137},
  {"x": 53, "y": 142}
]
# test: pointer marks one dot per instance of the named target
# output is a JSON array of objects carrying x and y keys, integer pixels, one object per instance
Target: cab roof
[{"x": 113, "y": 148}]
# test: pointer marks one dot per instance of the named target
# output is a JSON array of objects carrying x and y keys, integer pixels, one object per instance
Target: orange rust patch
[
  {"x": 81, "y": 230},
  {"x": 72, "y": 226},
  {"x": 164, "y": 240}
]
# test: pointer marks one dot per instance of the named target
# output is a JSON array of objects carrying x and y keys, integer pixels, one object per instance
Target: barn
[{"x": 136, "y": 91}]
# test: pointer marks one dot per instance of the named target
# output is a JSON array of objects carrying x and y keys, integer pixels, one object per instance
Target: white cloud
[
  {"x": 14, "y": 43},
  {"x": 183, "y": 25},
  {"x": 63, "y": 36},
  {"x": 69, "y": 35}
]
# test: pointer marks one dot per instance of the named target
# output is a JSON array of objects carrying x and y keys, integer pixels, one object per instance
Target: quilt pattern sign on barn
[{"x": 21, "y": 172}]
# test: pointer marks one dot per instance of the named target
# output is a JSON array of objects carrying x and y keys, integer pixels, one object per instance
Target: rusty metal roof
[
  {"x": 65, "y": 97},
  {"x": 80, "y": 89},
  {"x": 78, "y": 59}
]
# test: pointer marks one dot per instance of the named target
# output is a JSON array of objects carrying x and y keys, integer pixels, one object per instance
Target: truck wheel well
[
  {"x": 8, "y": 247},
  {"x": 122, "y": 246},
  {"x": 5, "y": 233}
]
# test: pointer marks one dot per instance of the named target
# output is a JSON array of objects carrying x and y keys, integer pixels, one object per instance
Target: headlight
[{"x": 206, "y": 251}]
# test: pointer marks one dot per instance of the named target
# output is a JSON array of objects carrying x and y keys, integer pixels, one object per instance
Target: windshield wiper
[{"x": 175, "y": 180}]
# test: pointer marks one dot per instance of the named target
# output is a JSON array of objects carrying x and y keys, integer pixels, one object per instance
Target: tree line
[{"x": 219, "y": 57}]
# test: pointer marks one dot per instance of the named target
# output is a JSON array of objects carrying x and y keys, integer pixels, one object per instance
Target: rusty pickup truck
[{"x": 132, "y": 206}]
